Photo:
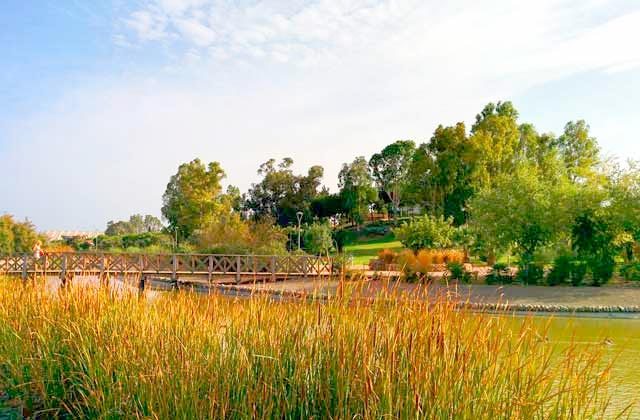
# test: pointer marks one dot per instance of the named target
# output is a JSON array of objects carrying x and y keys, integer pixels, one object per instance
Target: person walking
[{"x": 37, "y": 250}]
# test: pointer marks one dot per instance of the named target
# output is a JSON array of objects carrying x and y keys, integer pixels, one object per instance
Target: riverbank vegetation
[{"x": 85, "y": 352}]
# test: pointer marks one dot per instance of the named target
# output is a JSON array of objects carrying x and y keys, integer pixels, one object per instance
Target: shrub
[
  {"x": 567, "y": 269},
  {"x": 426, "y": 232},
  {"x": 561, "y": 270},
  {"x": 631, "y": 271},
  {"x": 387, "y": 256},
  {"x": 407, "y": 261},
  {"x": 601, "y": 268},
  {"x": 531, "y": 273},
  {"x": 318, "y": 239},
  {"x": 500, "y": 274},
  {"x": 424, "y": 261},
  {"x": 457, "y": 272}
]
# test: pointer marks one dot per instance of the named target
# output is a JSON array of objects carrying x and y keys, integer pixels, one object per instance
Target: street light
[{"x": 299, "y": 216}]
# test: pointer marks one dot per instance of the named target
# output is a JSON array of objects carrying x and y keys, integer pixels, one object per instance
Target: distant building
[{"x": 69, "y": 235}]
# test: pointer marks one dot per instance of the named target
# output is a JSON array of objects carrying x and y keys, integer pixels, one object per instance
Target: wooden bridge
[{"x": 209, "y": 267}]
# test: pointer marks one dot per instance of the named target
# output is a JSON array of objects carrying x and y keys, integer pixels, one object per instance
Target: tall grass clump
[{"x": 89, "y": 353}]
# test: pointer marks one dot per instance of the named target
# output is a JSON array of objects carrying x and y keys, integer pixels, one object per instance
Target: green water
[{"x": 621, "y": 339}]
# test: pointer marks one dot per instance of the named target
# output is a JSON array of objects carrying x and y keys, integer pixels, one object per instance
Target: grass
[
  {"x": 365, "y": 249},
  {"x": 89, "y": 353}
]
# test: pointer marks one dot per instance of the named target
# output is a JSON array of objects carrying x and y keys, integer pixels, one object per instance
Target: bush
[
  {"x": 500, "y": 274},
  {"x": 601, "y": 268},
  {"x": 531, "y": 273},
  {"x": 561, "y": 271},
  {"x": 631, "y": 271},
  {"x": 567, "y": 269},
  {"x": 318, "y": 239},
  {"x": 419, "y": 265},
  {"x": 387, "y": 256},
  {"x": 457, "y": 272},
  {"x": 426, "y": 232}
]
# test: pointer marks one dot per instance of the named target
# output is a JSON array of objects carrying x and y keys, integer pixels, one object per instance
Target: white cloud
[{"x": 195, "y": 32}]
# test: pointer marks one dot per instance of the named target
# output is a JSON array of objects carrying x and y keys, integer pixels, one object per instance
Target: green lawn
[{"x": 365, "y": 249}]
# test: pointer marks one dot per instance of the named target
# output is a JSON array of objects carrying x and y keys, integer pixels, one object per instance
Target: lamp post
[{"x": 299, "y": 216}]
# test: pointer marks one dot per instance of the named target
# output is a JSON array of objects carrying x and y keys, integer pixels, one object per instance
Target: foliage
[
  {"x": 16, "y": 237},
  {"x": 233, "y": 235},
  {"x": 495, "y": 138},
  {"x": 390, "y": 168},
  {"x": 500, "y": 274},
  {"x": 318, "y": 239},
  {"x": 523, "y": 212},
  {"x": 439, "y": 176},
  {"x": 137, "y": 224},
  {"x": 417, "y": 266},
  {"x": 426, "y": 232},
  {"x": 194, "y": 198},
  {"x": 631, "y": 271},
  {"x": 281, "y": 193},
  {"x": 387, "y": 256},
  {"x": 327, "y": 205},
  {"x": 356, "y": 189},
  {"x": 458, "y": 272},
  {"x": 531, "y": 273},
  {"x": 593, "y": 241},
  {"x": 578, "y": 150}
]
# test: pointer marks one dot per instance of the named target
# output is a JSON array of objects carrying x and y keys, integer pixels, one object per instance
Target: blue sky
[{"x": 101, "y": 101}]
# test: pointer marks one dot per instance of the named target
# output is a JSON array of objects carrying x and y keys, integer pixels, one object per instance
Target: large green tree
[
  {"x": 356, "y": 188},
  {"x": 281, "y": 193},
  {"x": 194, "y": 198},
  {"x": 522, "y": 212},
  {"x": 578, "y": 149},
  {"x": 495, "y": 139},
  {"x": 390, "y": 169}
]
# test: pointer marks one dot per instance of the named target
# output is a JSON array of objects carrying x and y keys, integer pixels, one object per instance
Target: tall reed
[{"x": 94, "y": 354}]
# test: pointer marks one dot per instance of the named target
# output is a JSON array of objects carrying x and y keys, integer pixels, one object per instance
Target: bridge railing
[{"x": 167, "y": 264}]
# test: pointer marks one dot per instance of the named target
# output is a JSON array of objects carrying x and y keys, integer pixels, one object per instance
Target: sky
[{"x": 101, "y": 101}]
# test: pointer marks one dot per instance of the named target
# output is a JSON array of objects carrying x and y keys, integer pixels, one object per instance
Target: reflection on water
[{"x": 622, "y": 341}]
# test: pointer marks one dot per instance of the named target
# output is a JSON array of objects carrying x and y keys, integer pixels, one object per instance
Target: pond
[{"x": 622, "y": 338}]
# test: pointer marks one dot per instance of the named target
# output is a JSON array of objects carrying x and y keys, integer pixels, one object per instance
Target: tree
[
  {"x": 578, "y": 150},
  {"x": 522, "y": 212},
  {"x": 495, "y": 139},
  {"x": 390, "y": 168},
  {"x": 356, "y": 188},
  {"x": 16, "y": 237},
  {"x": 193, "y": 197},
  {"x": 318, "y": 239},
  {"x": 137, "y": 224},
  {"x": 453, "y": 163},
  {"x": 281, "y": 193},
  {"x": 152, "y": 224}
]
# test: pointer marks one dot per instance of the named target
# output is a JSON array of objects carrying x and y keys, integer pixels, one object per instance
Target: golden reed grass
[{"x": 90, "y": 353}]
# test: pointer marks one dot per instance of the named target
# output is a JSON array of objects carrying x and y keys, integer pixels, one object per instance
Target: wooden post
[
  {"x": 142, "y": 285},
  {"x": 238, "y": 268},
  {"x": 24, "y": 267},
  {"x": 305, "y": 270},
  {"x": 63, "y": 271},
  {"x": 174, "y": 268},
  {"x": 273, "y": 268},
  {"x": 210, "y": 267},
  {"x": 103, "y": 277}
]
